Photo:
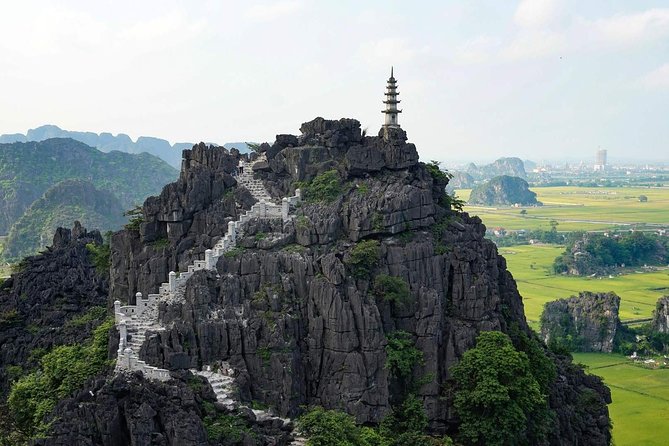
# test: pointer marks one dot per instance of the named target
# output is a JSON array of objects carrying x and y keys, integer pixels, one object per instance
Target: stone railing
[{"x": 138, "y": 317}]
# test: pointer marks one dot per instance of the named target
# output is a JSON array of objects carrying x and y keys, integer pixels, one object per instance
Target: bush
[
  {"x": 496, "y": 392},
  {"x": 392, "y": 289},
  {"x": 94, "y": 314},
  {"x": 324, "y": 188},
  {"x": 100, "y": 256},
  {"x": 329, "y": 428},
  {"x": 62, "y": 371},
  {"x": 402, "y": 355},
  {"x": 363, "y": 257}
]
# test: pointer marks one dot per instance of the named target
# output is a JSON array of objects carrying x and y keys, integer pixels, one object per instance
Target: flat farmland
[
  {"x": 581, "y": 208},
  {"x": 640, "y": 406},
  {"x": 531, "y": 267}
]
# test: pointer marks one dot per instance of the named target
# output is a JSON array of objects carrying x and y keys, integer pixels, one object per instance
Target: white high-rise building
[{"x": 600, "y": 163}]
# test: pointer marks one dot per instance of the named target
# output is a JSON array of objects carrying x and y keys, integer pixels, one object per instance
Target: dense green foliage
[
  {"x": 61, "y": 205},
  {"x": 229, "y": 428},
  {"x": 135, "y": 216},
  {"x": 597, "y": 253},
  {"x": 324, "y": 188},
  {"x": 29, "y": 169},
  {"x": 392, "y": 289},
  {"x": 329, "y": 428},
  {"x": 362, "y": 257},
  {"x": 402, "y": 355},
  {"x": 497, "y": 394},
  {"x": 400, "y": 428},
  {"x": 62, "y": 371},
  {"x": 101, "y": 256}
]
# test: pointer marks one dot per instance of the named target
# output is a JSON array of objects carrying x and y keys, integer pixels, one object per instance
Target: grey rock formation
[
  {"x": 503, "y": 190},
  {"x": 49, "y": 290},
  {"x": 503, "y": 166},
  {"x": 661, "y": 315},
  {"x": 587, "y": 322},
  {"x": 287, "y": 313}
]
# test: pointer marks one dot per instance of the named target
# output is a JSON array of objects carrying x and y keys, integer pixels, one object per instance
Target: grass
[
  {"x": 531, "y": 266},
  {"x": 581, "y": 208},
  {"x": 640, "y": 396}
]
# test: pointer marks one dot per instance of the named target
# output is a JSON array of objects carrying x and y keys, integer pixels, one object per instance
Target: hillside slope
[
  {"x": 28, "y": 170},
  {"x": 65, "y": 202}
]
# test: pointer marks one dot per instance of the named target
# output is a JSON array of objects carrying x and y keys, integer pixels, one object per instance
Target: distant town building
[{"x": 600, "y": 163}]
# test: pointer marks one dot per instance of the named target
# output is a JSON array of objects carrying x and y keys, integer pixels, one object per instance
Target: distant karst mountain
[
  {"x": 503, "y": 190},
  {"x": 106, "y": 142},
  {"x": 503, "y": 166},
  {"x": 29, "y": 170},
  {"x": 65, "y": 202}
]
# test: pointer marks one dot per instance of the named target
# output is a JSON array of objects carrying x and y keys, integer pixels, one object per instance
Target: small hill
[
  {"x": 65, "y": 202},
  {"x": 503, "y": 166},
  {"x": 28, "y": 170},
  {"x": 503, "y": 190},
  {"x": 585, "y": 323},
  {"x": 460, "y": 180}
]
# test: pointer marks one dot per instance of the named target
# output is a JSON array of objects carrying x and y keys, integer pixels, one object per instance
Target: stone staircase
[{"x": 133, "y": 321}]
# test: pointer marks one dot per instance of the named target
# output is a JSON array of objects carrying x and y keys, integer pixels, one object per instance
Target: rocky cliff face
[
  {"x": 661, "y": 315},
  {"x": 296, "y": 313},
  {"x": 587, "y": 322},
  {"x": 503, "y": 190},
  {"x": 39, "y": 303}
]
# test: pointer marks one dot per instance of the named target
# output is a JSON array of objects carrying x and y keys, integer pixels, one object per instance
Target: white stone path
[{"x": 134, "y": 320}]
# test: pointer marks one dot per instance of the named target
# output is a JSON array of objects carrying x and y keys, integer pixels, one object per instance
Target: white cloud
[
  {"x": 533, "y": 45},
  {"x": 631, "y": 29},
  {"x": 657, "y": 79},
  {"x": 536, "y": 13},
  {"x": 389, "y": 51},
  {"x": 264, "y": 12},
  {"x": 481, "y": 49}
]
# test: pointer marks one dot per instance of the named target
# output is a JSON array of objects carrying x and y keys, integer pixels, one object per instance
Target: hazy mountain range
[{"x": 106, "y": 142}]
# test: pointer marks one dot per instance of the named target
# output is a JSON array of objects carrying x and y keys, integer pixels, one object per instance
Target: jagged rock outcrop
[
  {"x": 587, "y": 322},
  {"x": 503, "y": 190},
  {"x": 296, "y": 316},
  {"x": 660, "y": 321},
  {"x": 48, "y": 291},
  {"x": 130, "y": 410}
]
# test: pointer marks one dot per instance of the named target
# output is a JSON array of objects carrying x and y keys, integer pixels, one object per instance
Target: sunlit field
[
  {"x": 640, "y": 407},
  {"x": 531, "y": 267},
  {"x": 580, "y": 208}
]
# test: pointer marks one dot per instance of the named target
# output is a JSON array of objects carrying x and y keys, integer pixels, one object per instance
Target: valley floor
[{"x": 640, "y": 407}]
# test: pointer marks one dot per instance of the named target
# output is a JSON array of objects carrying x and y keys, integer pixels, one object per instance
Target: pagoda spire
[{"x": 391, "y": 102}]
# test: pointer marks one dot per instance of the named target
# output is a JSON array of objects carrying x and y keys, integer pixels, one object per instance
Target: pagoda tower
[{"x": 391, "y": 102}]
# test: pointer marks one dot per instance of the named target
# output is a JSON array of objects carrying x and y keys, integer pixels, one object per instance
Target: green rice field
[
  {"x": 640, "y": 407},
  {"x": 531, "y": 267},
  {"x": 581, "y": 208}
]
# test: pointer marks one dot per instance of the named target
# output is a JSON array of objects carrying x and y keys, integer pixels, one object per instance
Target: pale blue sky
[{"x": 538, "y": 79}]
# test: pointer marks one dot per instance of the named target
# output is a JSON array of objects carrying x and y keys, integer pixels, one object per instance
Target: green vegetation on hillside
[
  {"x": 28, "y": 170},
  {"x": 60, "y": 206},
  {"x": 597, "y": 253},
  {"x": 62, "y": 371},
  {"x": 498, "y": 397}
]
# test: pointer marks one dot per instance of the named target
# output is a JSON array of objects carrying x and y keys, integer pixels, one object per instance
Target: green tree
[{"x": 496, "y": 393}]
